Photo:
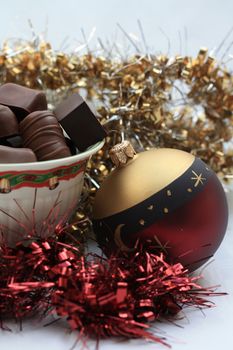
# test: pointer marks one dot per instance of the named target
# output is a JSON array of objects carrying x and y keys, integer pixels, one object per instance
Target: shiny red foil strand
[
  {"x": 28, "y": 276},
  {"x": 99, "y": 297},
  {"x": 120, "y": 296}
]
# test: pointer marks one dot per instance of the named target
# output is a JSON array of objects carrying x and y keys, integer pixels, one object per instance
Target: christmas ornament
[{"x": 163, "y": 195}]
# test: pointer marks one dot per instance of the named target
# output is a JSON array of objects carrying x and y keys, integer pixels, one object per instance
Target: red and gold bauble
[{"x": 161, "y": 195}]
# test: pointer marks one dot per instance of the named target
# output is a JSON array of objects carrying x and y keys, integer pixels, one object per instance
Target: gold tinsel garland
[{"x": 154, "y": 101}]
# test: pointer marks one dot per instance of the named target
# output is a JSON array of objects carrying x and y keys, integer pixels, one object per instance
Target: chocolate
[
  {"x": 8, "y": 122},
  {"x": 79, "y": 122},
  {"x": 42, "y": 133},
  {"x": 22, "y": 100},
  {"x": 16, "y": 155}
]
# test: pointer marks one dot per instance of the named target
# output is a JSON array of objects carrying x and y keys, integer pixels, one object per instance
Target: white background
[
  {"x": 188, "y": 25},
  {"x": 207, "y": 22}
]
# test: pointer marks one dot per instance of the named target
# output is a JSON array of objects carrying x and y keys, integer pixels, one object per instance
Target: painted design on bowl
[{"x": 39, "y": 178}]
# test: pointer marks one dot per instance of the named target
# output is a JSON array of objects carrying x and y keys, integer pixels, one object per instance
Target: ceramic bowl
[{"x": 36, "y": 197}]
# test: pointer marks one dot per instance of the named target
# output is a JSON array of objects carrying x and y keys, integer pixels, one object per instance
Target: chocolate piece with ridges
[
  {"x": 79, "y": 122},
  {"x": 16, "y": 155},
  {"x": 22, "y": 100},
  {"x": 8, "y": 122},
  {"x": 42, "y": 133}
]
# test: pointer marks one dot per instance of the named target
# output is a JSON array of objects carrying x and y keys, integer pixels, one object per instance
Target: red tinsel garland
[{"x": 98, "y": 297}]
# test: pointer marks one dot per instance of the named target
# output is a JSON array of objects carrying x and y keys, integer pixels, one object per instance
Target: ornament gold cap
[{"x": 121, "y": 153}]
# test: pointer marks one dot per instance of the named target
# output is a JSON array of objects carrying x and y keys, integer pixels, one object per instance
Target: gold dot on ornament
[
  {"x": 142, "y": 222},
  {"x": 165, "y": 210},
  {"x": 169, "y": 193},
  {"x": 150, "y": 207},
  {"x": 189, "y": 189}
]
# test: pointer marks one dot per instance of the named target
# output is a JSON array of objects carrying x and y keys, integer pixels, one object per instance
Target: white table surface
[{"x": 206, "y": 23}]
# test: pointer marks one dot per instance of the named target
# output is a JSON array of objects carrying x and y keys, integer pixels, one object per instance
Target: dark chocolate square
[{"x": 79, "y": 122}]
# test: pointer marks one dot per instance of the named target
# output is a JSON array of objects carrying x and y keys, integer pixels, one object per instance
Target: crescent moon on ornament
[{"x": 118, "y": 239}]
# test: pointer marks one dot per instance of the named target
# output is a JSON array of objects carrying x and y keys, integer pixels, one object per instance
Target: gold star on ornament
[
  {"x": 197, "y": 178},
  {"x": 142, "y": 222},
  {"x": 150, "y": 207}
]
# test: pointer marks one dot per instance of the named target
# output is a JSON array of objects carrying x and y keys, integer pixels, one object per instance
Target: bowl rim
[{"x": 56, "y": 162}]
